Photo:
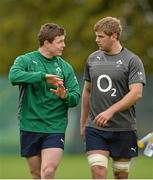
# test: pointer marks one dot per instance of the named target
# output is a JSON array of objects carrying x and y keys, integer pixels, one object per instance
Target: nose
[
  {"x": 63, "y": 44},
  {"x": 97, "y": 39}
]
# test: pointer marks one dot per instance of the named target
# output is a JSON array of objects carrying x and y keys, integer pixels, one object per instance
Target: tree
[{"x": 21, "y": 20}]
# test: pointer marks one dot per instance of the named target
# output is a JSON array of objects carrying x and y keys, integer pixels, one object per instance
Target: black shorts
[
  {"x": 121, "y": 144},
  {"x": 32, "y": 143}
]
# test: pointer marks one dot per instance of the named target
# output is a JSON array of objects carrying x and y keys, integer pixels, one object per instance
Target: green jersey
[{"x": 40, "y": 110}]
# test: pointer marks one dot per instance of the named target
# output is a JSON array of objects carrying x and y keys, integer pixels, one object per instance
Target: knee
[
  {"x": 120, "y": 175},
  {"x": 121, "y": 169},
  {"x": 48, "y": 172},
  {"x": 99, "y": 171},
  {"x": 35, "y": 174},
  {"x": 98, "y": 164}
]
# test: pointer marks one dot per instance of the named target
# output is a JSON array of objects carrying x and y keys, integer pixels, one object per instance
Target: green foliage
[{"x": 21, "y": 20}]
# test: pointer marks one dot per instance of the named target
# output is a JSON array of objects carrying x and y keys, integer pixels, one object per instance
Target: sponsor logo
[
  {"x": 133, "y": 149},
  {"x": 62, "y": 140},
  {"x": 98, "y": 58},
  {"x": 35, "y": 62},
  {"x": 119, "y": 62},
  {"x": 140, "y": 74}
]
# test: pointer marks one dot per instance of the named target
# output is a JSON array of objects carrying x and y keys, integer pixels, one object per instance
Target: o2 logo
[{"x": 109, "y": 88}]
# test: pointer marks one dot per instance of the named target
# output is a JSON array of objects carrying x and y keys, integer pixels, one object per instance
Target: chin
[
  {"x": 59, "y": 54},
  {"x": 100, "y": 48}
]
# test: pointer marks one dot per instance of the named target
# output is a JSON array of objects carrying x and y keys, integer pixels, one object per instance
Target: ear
[
  {"x": 46, "y": 43},
  {"x": 114, "y": 36}
]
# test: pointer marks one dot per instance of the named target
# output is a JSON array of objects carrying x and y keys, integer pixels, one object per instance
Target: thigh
[
  {"x": 52, "y": 149},
  {"x": 34, "y": 163},
  {"x": 51, "y": 157},
  {"x": 30, "y": 143},
  {"x": 124, "y": 145},
  {"x": 94, "y": 140},
  {"x": 53, "y": 140}
]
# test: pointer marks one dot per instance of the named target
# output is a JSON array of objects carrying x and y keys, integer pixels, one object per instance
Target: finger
[
  {"x": 97, "y": 117},
  {"x": 54, "y": 75},
  {"x": 99, "y": 121},
  {"x": 62, "y": 88},
  {"x": 60, "y": 82},
  {"x": 53, "y": 90},
  {"x": 59, "y": 79}
]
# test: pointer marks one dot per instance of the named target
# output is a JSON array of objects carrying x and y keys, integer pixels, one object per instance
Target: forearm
[
  {"x": 17, "y": 76},
  {"x": 72, "y": 98},
  {"x": 127, "y": 101},
  {"x": 72, "y": 88}
]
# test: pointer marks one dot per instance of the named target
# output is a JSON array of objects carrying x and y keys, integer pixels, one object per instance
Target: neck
[
  {"x": 45, "y": 53},
  {"x": 115, "y": 49}
]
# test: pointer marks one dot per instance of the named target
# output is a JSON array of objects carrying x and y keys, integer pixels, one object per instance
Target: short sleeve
[
  {"x": 86, "y": 72},
  {"x": 136, "y": 71}
]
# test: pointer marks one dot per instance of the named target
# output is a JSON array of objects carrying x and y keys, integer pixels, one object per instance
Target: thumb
[{"x": 53, "y": 90}]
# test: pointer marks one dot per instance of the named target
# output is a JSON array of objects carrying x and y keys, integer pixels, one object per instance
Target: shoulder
[
  {"x": 31, "y": 55},
  {"x": 63, "y": 62},
  {"x": 129, "y": 54},
  {"x": 133, "y": 56},
  {"x": 95, "y": 54},
  {"x": 26, "y": 56}
]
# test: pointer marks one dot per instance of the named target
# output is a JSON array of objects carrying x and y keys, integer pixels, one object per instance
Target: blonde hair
[{"x": 109, "y": 25}]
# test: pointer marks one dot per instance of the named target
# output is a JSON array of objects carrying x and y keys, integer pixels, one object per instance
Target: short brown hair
[
  {"x": 109, "y": 25},
  {"x": 49, "y": 31}
]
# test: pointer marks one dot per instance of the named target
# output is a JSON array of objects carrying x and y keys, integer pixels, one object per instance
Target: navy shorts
[
  {"x": 121, "y": 144},
  {"x": 32, "y": 143}
]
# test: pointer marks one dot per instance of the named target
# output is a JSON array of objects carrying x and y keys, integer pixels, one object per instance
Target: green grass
[{"x": 71, "y": 167}]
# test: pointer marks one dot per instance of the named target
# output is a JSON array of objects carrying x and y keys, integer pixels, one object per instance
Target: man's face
[
  {"x": 104, "y": 41},
  {"x": 56, "y": 47}
]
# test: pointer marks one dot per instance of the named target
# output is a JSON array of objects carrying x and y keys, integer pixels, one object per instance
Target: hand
[
  {"x": 60, "y": 91},
  {"x": 102, "y": 118},
  {"x": 82, "y": 132},
  {"x": 54, "y": 80}
]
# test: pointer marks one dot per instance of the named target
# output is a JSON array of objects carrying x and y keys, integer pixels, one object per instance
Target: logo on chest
[
  {"x": 35, "y": 62},
  {"x": 119, "y": 63},
  {"x": 58, "y": 70}
]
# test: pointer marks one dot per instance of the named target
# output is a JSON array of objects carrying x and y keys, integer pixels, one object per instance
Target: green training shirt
[{"x": 40, "y": 110}]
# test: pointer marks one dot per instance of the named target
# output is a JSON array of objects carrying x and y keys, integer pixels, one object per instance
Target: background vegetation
[{"x": 20, "y": 22}]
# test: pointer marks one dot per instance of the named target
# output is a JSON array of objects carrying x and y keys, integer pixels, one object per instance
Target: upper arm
[
  {"x": 137, "y": 89},
  {"x": 19, "y": 63},
  {"x": 70, "y": 81},
  {"x": 136, "y": 71},
  {"x": 87, "y": 86}
]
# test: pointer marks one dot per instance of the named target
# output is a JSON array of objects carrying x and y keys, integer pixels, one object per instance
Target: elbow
[
  {"x": 138, "y": 96},
  {"x": 72, "y": 102},
  {"x": 10, "y": 77}
]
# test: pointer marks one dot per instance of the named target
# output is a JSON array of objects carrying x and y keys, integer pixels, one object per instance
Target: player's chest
[
  {"x": 114, "y": 69},
  {"x": 52, "y": 67}
]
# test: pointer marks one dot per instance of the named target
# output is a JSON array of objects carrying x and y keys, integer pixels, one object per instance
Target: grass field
[{"x": 71, "y": 167}]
